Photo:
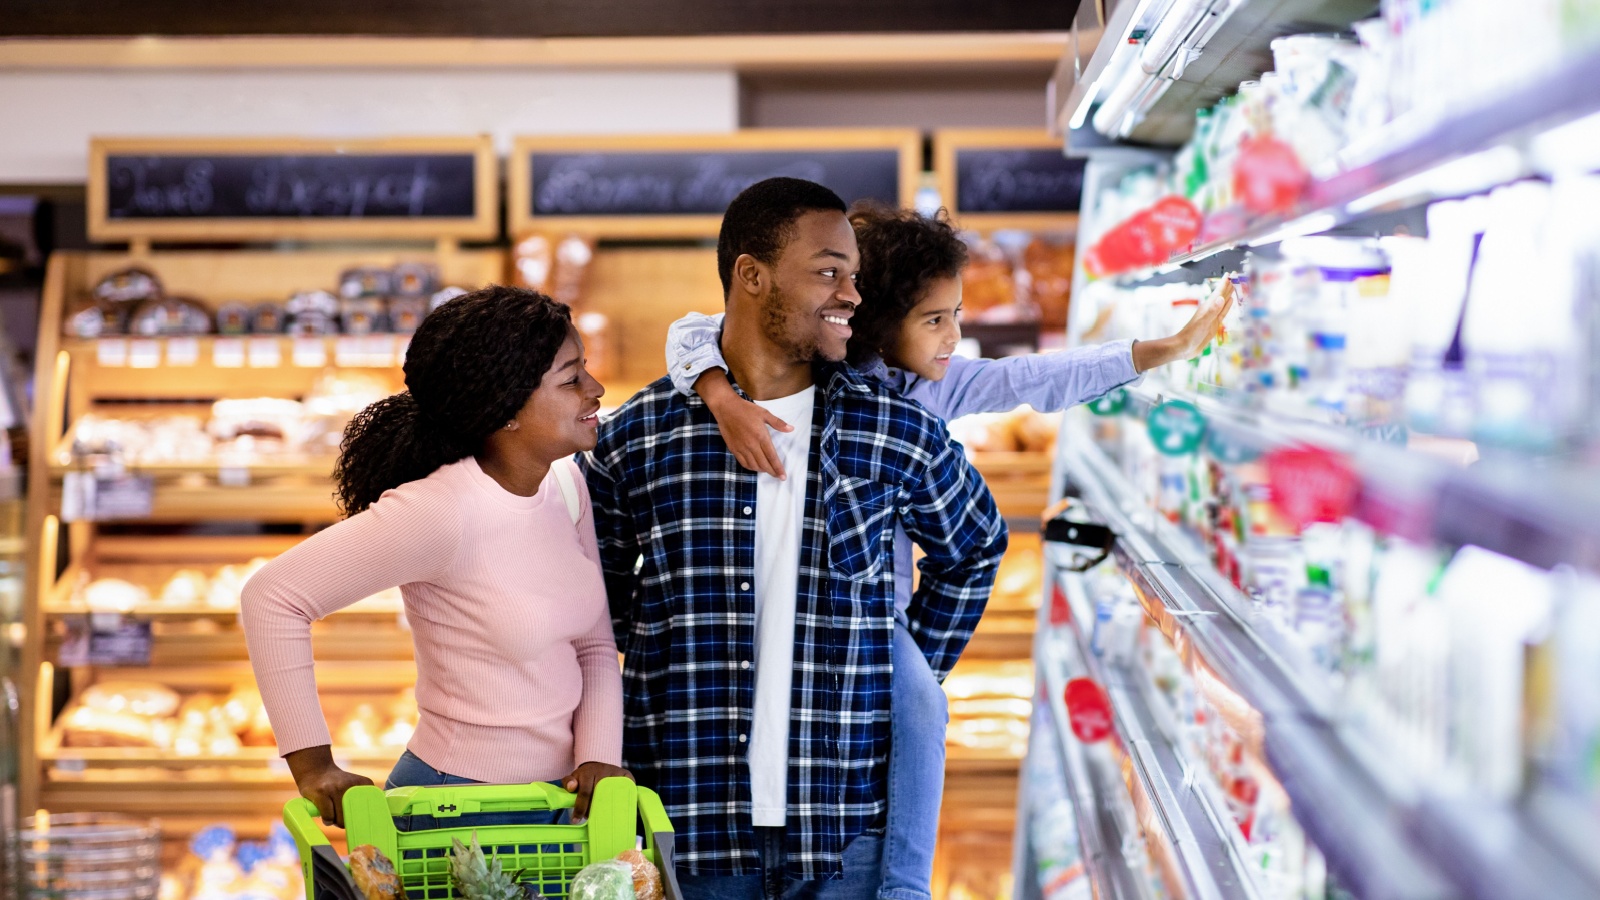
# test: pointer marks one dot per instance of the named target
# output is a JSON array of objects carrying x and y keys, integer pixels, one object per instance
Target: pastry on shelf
[
  {"x": 1049, "y": 262},
  {"x": 140, "y": 698},
  {"x": 88, "y": 727},
  {"x": 113, "y": 595},
  {"x": 186, "y": 587}
]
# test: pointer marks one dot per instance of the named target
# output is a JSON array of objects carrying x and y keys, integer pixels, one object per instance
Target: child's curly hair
[{"x": 902, "y": 252}]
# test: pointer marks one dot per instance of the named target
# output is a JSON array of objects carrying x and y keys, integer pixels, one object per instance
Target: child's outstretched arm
[
  {"x": 1054, "y": 381},
  {"x": 695, "y": 364}
]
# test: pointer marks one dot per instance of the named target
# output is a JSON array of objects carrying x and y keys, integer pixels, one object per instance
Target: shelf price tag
[
  {"x": 1088, "y": 710},
  {"x": 105, "y": 639},
  {"x": 378, "y": 350},
  {"x": 1110, "y": 403},
  {"x": 1176, "y": 427},
  {"x": 310, "y": 352},
  {"x": 183, "y": 351},
  {"x": 347, "y": 352},
  {"x": 111, "y": 352},
  {"x": 228, "y": 353},
  {"x": 144, "y": 354},
  {"x": 233, "y": 475},
  {"x": 265, "y": 353},
  {"x": 108, "y": 494}
]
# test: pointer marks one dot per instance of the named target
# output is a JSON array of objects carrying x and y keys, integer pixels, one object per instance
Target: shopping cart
[{"x": 547, "y": 856}]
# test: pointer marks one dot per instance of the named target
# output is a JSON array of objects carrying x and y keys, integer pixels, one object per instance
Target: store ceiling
[{"x": 533, "y": 18}]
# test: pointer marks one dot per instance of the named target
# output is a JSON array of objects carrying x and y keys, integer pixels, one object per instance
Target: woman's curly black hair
[
  {"x": 471, "y": 366},
  {"x": 902, "y": 252}
]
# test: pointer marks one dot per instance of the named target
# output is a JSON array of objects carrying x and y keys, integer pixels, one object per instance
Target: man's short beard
[{"x": 777, "y": 323}]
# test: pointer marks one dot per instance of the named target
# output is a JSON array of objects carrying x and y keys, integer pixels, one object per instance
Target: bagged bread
[
  {"x": 646, "y": 877},
  {"x": 374, "y": 874}
]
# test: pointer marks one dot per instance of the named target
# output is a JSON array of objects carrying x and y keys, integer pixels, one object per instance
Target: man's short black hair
[{"x": 761, "y": 219}]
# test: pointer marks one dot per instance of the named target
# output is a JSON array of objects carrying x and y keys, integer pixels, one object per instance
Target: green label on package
[
  {"x": 1176, "y": 427},
  {"x": 1110, "y": 403}
]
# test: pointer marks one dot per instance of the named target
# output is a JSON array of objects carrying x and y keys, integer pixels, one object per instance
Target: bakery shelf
[
  {"x": 1384, "y": 833},
  {"x": 1394, "y": 169}
]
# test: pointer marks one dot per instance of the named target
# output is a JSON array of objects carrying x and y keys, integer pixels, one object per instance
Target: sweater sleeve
[
  {"x": 693, "y": 346},
  {"x": 597, "y": 722},
  {"x": 1048, "y": 382},
  {"x": 409, "y": 535}
]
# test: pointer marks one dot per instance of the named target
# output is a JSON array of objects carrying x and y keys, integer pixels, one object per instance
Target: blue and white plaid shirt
[{"x": 675, "y": 516}]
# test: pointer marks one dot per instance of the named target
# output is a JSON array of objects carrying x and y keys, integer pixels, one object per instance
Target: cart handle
[
  {"x": 299, "y": 815},
  {"x": 402, "y": 799}
]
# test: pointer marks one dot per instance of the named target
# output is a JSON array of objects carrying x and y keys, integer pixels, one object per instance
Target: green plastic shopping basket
[{"x": 548, "y": 856}]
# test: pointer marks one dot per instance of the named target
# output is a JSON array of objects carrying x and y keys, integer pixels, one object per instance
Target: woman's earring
[{"x": 511, "y": 425}]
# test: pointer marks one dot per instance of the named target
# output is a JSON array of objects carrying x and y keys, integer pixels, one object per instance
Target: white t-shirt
[{"x": 780, "y": 511}]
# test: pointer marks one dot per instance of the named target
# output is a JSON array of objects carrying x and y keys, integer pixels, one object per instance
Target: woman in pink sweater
[{"x": 459, "y": 491}]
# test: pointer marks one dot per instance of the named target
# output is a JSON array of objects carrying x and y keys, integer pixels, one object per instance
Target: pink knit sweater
[{"x": 517, "y": 676}]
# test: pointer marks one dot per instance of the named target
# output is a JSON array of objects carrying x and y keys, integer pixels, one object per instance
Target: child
[{"x": 904, "y": 334}]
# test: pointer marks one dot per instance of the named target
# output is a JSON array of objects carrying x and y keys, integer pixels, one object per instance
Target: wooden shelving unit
[{"x": 208, "y": 512}]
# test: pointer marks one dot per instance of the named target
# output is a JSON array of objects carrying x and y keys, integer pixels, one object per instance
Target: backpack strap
[{"x": 569, "y": 491}]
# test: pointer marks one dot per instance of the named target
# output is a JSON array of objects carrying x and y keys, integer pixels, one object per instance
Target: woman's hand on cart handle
[
  {"x": 582, "y": 782},
  {"x": 322, "y": 782}
]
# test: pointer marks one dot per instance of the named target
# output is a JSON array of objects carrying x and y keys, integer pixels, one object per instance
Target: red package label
[
  {"x": 1088, "y": 709},
  {"x": 1268, "y": 175},
  {"x": 1310, "y": 484},
  {"x": 1060, "y": 612}
]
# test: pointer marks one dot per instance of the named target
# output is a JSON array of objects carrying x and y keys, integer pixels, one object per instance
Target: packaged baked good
[
  {"x": 234, "y": 319},
  {"x": 130, "y": 285},
  {"x": 573, "y": 255},
  {"x": 415, "y": 281},
  {"x": 646, "y": 877},
  {"x": 362, "y": 315},
  {"x": 365, "y": 281},
  {"x": 169, "y": 316},
  {"x": 268, "y": 318},
  {"x": 313, "y": 313},
  {"x": 533, "y": 260},
  {"x": 1049, "y": 262},
  {"x": 91, "y": 320},
  {"x": 405, "y": 313},
  {"x": 140, "y": 698},
  {"x": 374, "y": 874},
  {"x": 988, "y": 282}
]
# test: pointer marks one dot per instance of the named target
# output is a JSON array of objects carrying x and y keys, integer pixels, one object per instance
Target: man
[{"x": 757, "y": 626}]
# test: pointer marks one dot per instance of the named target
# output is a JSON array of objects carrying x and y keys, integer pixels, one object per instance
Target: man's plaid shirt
[{"x": 665, "y": 488}]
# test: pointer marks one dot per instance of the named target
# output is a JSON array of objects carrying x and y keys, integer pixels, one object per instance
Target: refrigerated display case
[{"x": 1348, "y": 629}]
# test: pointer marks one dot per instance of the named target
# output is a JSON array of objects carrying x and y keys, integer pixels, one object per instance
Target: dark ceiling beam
[{"x": 527, "y": 19}]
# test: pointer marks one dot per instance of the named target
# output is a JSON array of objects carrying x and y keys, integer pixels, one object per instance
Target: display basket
[
  {"x": 546, "y": 856},
  {"x": 90, "y": 856}
]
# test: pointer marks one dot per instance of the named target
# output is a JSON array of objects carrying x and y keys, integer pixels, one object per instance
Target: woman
[
  {"x": 904, "y": 335},
  {"x": 458, "y": 490}
]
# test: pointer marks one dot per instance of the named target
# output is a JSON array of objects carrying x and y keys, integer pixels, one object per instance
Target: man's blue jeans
[{"x": 863, "y": 868}]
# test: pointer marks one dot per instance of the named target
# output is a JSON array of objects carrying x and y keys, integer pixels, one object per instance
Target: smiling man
[{"x": 757, "y": 614}]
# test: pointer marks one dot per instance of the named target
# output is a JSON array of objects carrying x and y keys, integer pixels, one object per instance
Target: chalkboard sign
[
  {"x": 681, "y": 185},
  {"x": 287, "y": 189},
  {"x": 318, "y": 187},
  {"x": 690, "y": 184},
  {"x": 1017, "y": 180}
]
